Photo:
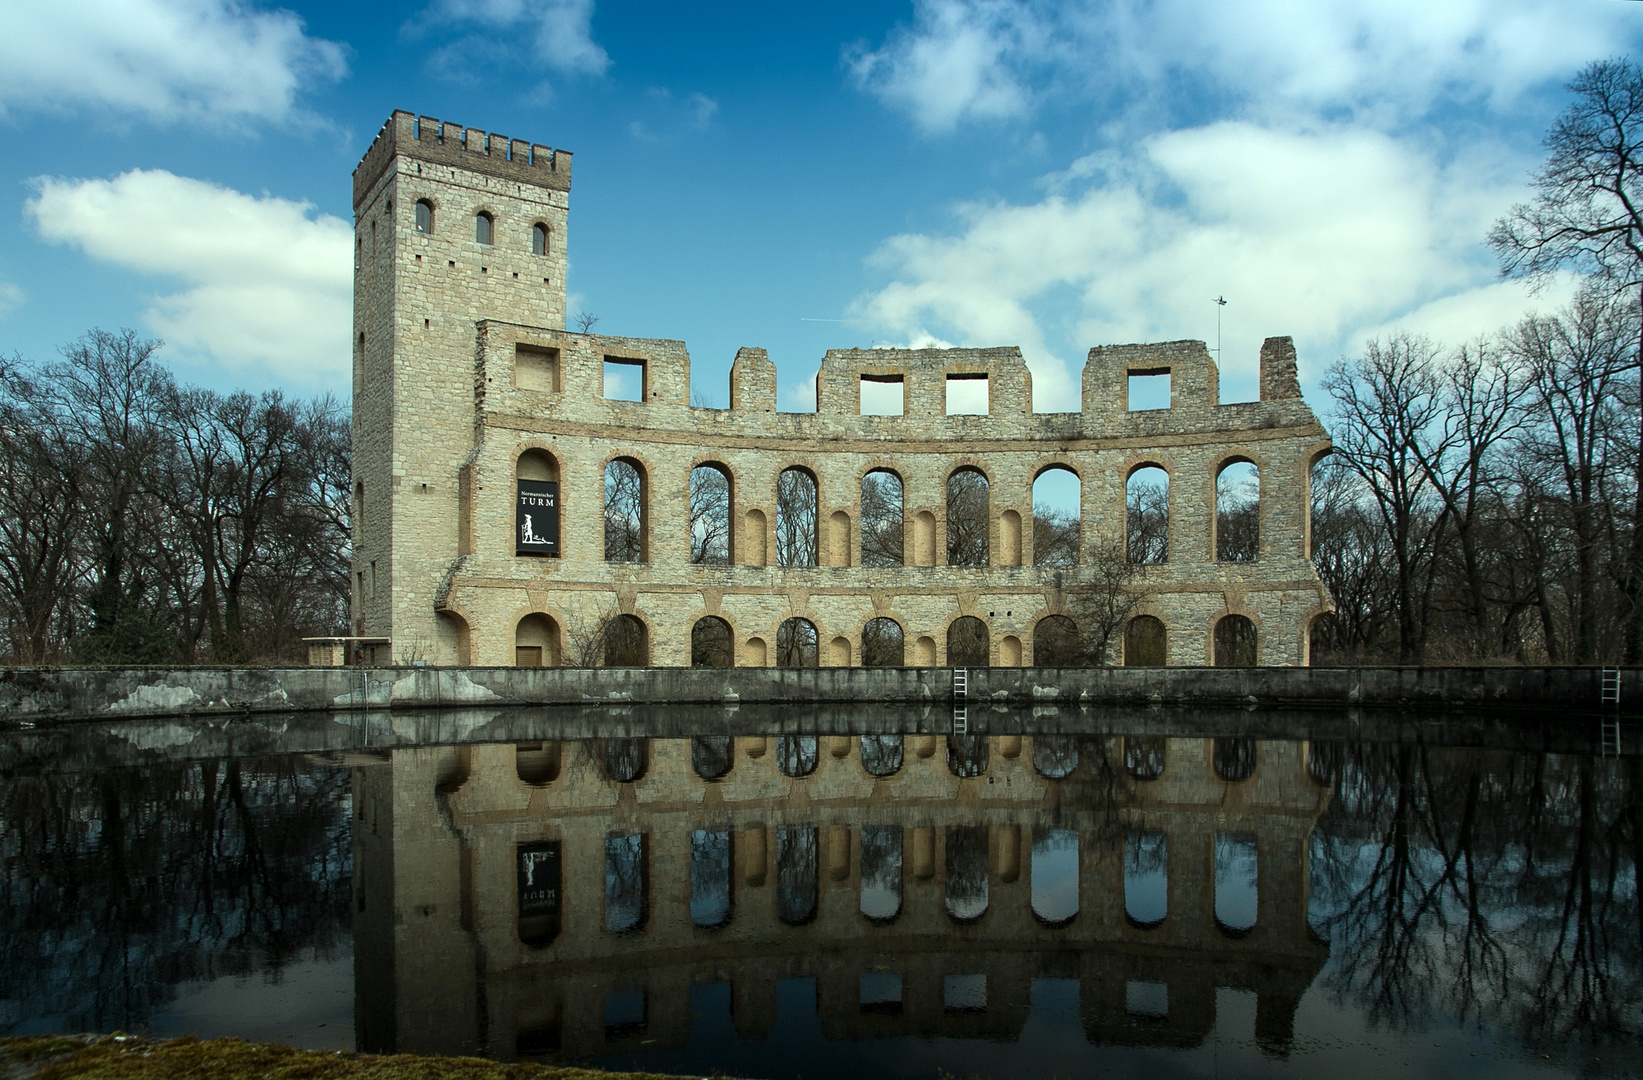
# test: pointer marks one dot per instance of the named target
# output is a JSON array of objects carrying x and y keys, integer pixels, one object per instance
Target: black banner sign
[
  {"x": 536, "y": 517},
  {"x": 539, "y": 880}
]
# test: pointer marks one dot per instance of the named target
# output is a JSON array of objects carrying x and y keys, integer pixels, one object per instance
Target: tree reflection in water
[
  {"x": 1055, "y": 876},
  {"x": 1488, "y": 886},
  {"x": 118, "y": 885},
  {"x": 710, "y": 895},
  {"x": 967, "y": 755},
  {"x": 626, "y": 759},
  {"x": 881, "y": 755},
  {"x": 1146, "y": 878},
  {"x": 1055, "y": 756},
  {"x": 1235, "y": 883},
  {"x": 626, "y": 887},
  {"x": 881, "y": 871},
  {"x": 712, "y": 756},
  {"x": 796, "y": 864},
  {"x": 966, "y": 872},
  {"x": 796, "y": 755}
]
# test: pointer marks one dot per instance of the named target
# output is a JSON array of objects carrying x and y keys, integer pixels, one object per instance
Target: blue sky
[{"x": 974, "y": 172}]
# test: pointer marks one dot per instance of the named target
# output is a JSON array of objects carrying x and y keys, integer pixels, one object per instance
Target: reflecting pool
[{"x": 1062, "y": 893}]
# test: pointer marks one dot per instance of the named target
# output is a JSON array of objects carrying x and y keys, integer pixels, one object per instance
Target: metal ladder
[
  {"x": 961, "y": 699},
  {"x": 1609, "y": 725}
]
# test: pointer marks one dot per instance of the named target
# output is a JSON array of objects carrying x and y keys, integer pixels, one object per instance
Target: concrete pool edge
[{"x": 47, "y": 695}]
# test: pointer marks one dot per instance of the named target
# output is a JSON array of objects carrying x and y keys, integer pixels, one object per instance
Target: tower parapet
[{"x": 442, "y": 143}]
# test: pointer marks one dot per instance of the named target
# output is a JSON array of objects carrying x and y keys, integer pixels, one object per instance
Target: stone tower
[{"x": 451, "y": 225}]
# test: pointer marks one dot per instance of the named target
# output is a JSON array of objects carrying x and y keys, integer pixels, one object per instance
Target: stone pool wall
[{"x": 45, "y": 695}]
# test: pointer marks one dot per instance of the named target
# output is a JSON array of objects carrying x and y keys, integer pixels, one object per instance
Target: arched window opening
[
  {"x": 967, "y": 642},
  {"x": 1237, "y": 881},
  {"x": 796, "y": 518},
  {"x": 1235, "y": 642},
  {"x": 796, "y": 755},
  {"x": 1146, "y": 501},
  {"x": 1146, "y": 879},
  {"x": 1055, "y": 876},
  {"x": 711, "y": 756},
  {"x": 797, "y": 644},
  {"x": 1145, "y": 756},
  {"x": 881, "y": 755},
  {"x": 536, "y": 763},
  {"x": 627, "y": 642},
  {"x": 796, "y": 865},
  {"x": 1238, "y": 513},
  {"x": 539, "y": 239},
  {"x": 883, "y": 519},
  {"x": 625, "y": 760},
  {"x": 1234, "y": 759},
  {"x": 710, "y": 870},
  {"x": 881, "y": 872},
  {"x": 1057, "y": 517},
  {"x": 1057, "y": 643},
  {"x": 883, "y": 644},
  {"x": 539, "y": 893},
  {"x": 710, "y": 515},
  {"x": 966, "y": 755},
  {"x": 1146, "y": 642},
  {"x": 484, "y": 226},
  {"x": 424, "y": 216},
  {"x": 968, "y": 513},
  {"x": 625, "y": 512},
  {"x": 966, "y": 872},
  {"x": 627, "y": 883},
  {"x": 1055, "y": 756},
  {"x": 536, "y": 642},
  {"x": 710, "y": 643},
  {"x": 536, "y": 516}
]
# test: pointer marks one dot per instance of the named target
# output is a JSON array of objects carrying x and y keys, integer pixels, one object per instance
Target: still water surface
[{"x": 1127, "y": 895}]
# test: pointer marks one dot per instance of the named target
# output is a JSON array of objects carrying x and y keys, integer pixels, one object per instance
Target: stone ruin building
[{"x": 513, "y": 506}]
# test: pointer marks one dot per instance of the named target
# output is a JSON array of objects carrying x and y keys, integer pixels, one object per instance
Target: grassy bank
[{"x": 124, "y": 1057}]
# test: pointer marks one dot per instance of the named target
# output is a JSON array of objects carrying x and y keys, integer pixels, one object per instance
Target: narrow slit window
[
  {"x": 539, "y": 239},
  {"x": 1149, "y": 390},
  {"x": 967, "y": 395},
  {"x": 624, "y": 379},
  {"x": 483, "y": 226},
  {"x": 883, "y": 395},
  {"x": 424, "y": 216}
]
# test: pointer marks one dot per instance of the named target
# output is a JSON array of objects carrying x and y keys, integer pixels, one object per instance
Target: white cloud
[
  {"x": 164, "y": 60},
  {"x": 268, "y": 282},
  {"x": 552, "y": 34},
  {"x": 955, "y": 63},
  {"x": 993, "y": 59},
  {"x": 1318, "y": 233},
  {"x": 11, "y": 296}
]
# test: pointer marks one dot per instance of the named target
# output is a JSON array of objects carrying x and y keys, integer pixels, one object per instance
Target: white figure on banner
[{"x": 527, "y": 535}]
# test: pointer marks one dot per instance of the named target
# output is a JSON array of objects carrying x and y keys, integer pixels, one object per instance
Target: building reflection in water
[{"x": 923, "y": 887}]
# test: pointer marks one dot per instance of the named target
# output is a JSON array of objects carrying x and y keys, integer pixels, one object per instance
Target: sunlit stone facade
[{"x": 467, "y": 384}]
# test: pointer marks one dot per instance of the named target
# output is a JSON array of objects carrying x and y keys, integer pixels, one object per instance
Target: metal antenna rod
[{"x": 1220, "y": 302}]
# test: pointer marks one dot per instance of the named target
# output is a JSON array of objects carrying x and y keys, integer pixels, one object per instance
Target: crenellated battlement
[{"x": 444, "y": 143}]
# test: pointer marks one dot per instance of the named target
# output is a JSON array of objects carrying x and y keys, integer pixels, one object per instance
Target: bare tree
[
  {"x": 584, "y": 321},
  {"x": 1146, "y": 506},
  {"x": 709, "y": 516},
  {"x": 624, "y": 512},
  {"x": 1103, "y": 594},
  {"x": 968, "y": 516},
  {"x": 1055, "y": 536},
  {"x": 883, "y": 519},
  {"x": 796, "y": 518},
  {"x": 1587, "y": 215}
]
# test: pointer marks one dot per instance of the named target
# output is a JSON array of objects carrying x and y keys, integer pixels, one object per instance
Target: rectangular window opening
[
  {"x": 625, "y": 1014},
  {"x": 883, "y": 395},
  {"x": 881, "y": 993},
  {"x": 624, "y": 379},
  {"x": 536, "y": 368},
  {"x": 1146, "y": 1000},
  {"x": 964, "y": 993},
  {"x": 1149, "y": 390},
  {"x": 967, "y": 395}
]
